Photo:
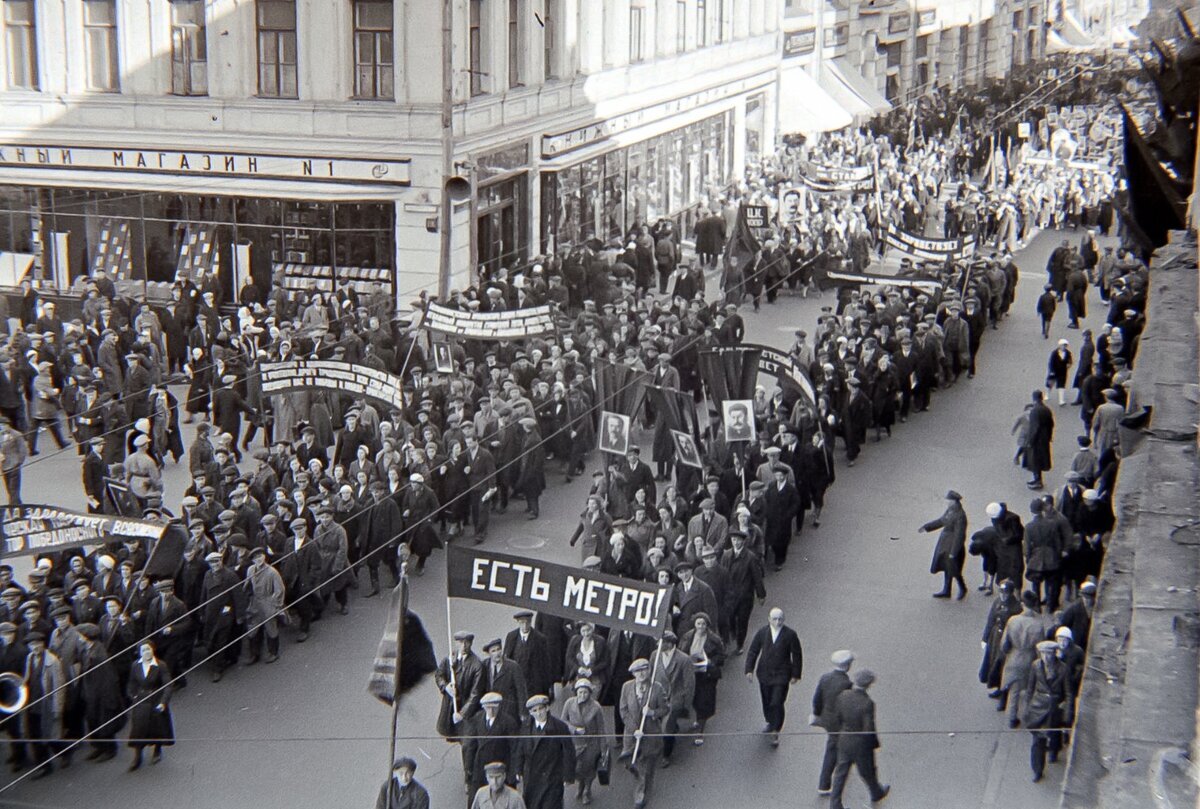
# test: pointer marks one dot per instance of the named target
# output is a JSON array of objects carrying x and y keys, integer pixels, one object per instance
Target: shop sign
[
  {"x": 572, "y": 139},
  {"x": 899, "y": 23},
  {"x": 797, "y": 43},
  {"x": 926, "y": 18},
  {"x": 214, "y": 164}
]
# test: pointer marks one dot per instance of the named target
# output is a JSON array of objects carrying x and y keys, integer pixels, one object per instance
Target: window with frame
[
  {"x": 637, "y": 34},
  {"x": 681, "y": 26},
  {"x": 701, "y": 23},
  {"x": 374, "y": 68},
  {"x": 516, "y": 73},
  {"x": 475, "y": 46},
  {"x": 277, "y": 58},
  {"x": 189, "y": 48},
  {"x": 721, "y": 34},
  {"x": 550, "y": 17},
  {"x": 100, "y": 44},
  {"x": 20, "y": 43}
]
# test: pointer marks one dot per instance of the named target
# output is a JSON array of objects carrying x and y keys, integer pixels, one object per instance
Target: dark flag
[
  {"x": 740, "y": 247},
  {"x": 1155, "y": 203},
  {"x": 394, "y": 674},
  {"x": 620, "y": 388},
  {"x": 167, "y": 554},
  {"x": 729, "y": 373}
]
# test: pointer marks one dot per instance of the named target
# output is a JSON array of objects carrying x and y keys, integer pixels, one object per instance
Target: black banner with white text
[{"x": 32, "y": 529}]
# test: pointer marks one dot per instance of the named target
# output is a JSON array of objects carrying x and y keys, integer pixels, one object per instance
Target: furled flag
[{"x": 394, "y": 675}]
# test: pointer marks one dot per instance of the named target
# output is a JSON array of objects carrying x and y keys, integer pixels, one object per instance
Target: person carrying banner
[{"x": 643, "y": 707}]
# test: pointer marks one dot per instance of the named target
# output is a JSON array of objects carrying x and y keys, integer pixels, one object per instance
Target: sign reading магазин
[
  {"x": 222, "y": 164},
  {"x": 29, "y": 529},
  {"x": 579, "y": 595},
  {"x": 345, "y": 377}
]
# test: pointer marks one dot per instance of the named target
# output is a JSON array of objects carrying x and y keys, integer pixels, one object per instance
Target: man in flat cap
[
  {"x": 528, "y": 648},
  {"x": 854, "y": 715},
  {"x": 643, "y": 706},
  {"x": 402, "y": 790},
  {"x": 949, "y": 553},
  {"x": 100, "y": 691},
  {"x": 457, "y": 677},
  {"x": 172, "y": 629},
  {"x": 501, "y": 675},
  {"x": 545, "y": 756},
  {"x": 221, "y": 596},
  {"x": 496, "y": 793},
  {"x": 46, "y": 681},
  {"x": 823, "y": 714},
  {"x": 692, "y": 595},
  {"x": 489, "y": 736},
  {"x": 382, "y": 525}
]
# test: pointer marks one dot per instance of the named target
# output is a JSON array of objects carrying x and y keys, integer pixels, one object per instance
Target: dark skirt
[
  {"x": 150, "y": 726},
  {"x": 705, "y": 696}
]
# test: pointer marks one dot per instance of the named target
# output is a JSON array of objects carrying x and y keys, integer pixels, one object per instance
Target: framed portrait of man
[
  {"x": 686, "y": 451},
  {"x": 442, "y": 359},
  {"x": 614, "y": 433},
  {"x": 738, "y": 417}
]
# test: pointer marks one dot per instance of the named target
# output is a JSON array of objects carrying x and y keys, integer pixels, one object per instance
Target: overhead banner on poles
[
  {"x": 834, "y": 179},
  {"x": 920, "y": 247},
  {"x": 915, "y": 282},
  {"x": 510, "y": 324},
  {"x": 345, "y": 377},
  {"x": 568, "y": 592},
  {"x": 31, "y": 529}
]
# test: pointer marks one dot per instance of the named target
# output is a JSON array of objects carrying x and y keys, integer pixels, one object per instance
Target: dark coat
[
  {"x": 700, "y": 598},
  {"x": 824, "y": 701},
  {"x": 993, "y": 656},
  {"x": 510, "y": 684},
  {"x": 545, "y": 763},
  {"x": 466, "y": 678},
  {"x": 532, "y": 656},
  {"x": 381, "y": 524},
  {"x": 951, "y": 545},
  {"x": 531, "y": 476},
  {"x": 597, "y": 671},
  {"x": 775, "y": 663},
  {"x": 146, "y": 692},
  {"x": 1046, "y": 693},
  {"x": 782, "y": 507},
  {"x": 745, "y": 577},
  {"x": 622, "y": 651},
  {"x": 1044, "y": 545},
  {"x": 483, "y": 745},
  {"x": 854, "y": 715},
  {"x": 414, "y": 796},
  {"x": 100, "y": 687},
  {"x": 1041, "y": 434}
]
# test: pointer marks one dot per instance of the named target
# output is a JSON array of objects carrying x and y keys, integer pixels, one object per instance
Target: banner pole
[
  {"x": 637, "y": 745},
  {"x": 399, "y": 664},
  {"x": 450, "y": 663}
]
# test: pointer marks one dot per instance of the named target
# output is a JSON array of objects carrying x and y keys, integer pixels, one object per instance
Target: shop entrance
[{"x": 499, "y": 225}]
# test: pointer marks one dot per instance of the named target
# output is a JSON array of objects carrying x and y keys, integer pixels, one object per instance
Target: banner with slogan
[
  {"x": 920, "y": 247},
  {"x": 784, "y": 368},
  {"x": 359, "y": 380},
  {"x": 834, "y": 179},
  {"x": 511, "y": 324},
  {"x": 31, "y": 529},
  {"x": 917, "y": 282},
  {"x": 568, "y": 592}
]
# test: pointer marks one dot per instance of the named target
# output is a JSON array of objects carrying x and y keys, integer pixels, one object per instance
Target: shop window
[
  {"x": 500, "y": 224},
  {"x": 516, "y": 45},
  {"x": 373, "y": 61},
  {"x": 189, "y": 48},
  {"x": 637, "y": 34},
  {"x": 680, "y": 26},
  {"x": 475, "y": 46},
  {"x": 20, "y": 29},
  {"x": 277, "y": 57},
  {"x": 100, "y": 44}
]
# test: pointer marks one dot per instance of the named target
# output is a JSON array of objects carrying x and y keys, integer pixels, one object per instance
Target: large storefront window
[
  {"x": 608, "y": 196},
  {"x": 147, "y": 237}
]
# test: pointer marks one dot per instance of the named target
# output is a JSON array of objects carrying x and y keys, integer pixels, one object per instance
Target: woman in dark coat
[
  {"x": 951, "y": 545},
  {"x": 707, "y": 653},
  {"x": 417, "y": 507},
  {"x": 199, "y": 373},
  {"x": 149, "y": 694},
  {"x": 885, "y": 397},
  {"x": 1057, "y": 367},
  {"x": 1004, "y": 607}
]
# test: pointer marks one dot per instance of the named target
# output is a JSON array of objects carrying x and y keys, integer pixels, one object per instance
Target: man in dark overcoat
[
  {"x": 1038, "y": 442},
  {"x": 855, "y": 717},
  {"x": 777, "y": 660},
  {"x": 545, "y": 756}
]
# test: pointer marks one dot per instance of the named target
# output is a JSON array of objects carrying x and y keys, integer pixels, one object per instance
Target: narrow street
[{"x": 304, "y": 732}]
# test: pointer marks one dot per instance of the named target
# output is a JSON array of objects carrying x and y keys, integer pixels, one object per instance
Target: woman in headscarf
[
  {"x": 707, "y": 653},
  {"x": 584, "y": 716}
]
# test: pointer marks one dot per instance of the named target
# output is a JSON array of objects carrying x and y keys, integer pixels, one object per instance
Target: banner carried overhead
[
  {"x": 784, "y": 368},
  {"x": 344, "y": 377},
  {"x": 568, "y": 592},
  {"x": 510, "y": 324},
  {"x": 835, "y": 179},
  {"x": 919, "y": 247},
  {"x": 31, "y": 529},
  {"x": 914, "y": 281}
]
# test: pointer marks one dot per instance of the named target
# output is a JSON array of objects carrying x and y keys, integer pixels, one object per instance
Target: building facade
[{"x": 305, "y": 138}]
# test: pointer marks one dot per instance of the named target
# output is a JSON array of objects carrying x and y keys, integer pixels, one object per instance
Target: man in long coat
[
  {"x": 531, "y": 475},
  {"x": 857, "y": 740},
  {"x": 490, "y": 736},
  {"x": 456, "y": 678},
  {"x": 951, "y": 545},
  {"x": 528, "y": 648},
  {"x": 381, "y": 528},
  {"x": 824, "y": 715},
  {"x": 544, "y": 756},
  {"x": 783, "y": 502},
  {"x": 642, "y": 708},
  {"x": 1041, "y": 434}
]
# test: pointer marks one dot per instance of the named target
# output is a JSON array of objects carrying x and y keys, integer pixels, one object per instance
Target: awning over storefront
[
  {"x": 1056, "y": 44},
  {"x": 805, "y": 108},
  {"x": 851, "y": 91}
]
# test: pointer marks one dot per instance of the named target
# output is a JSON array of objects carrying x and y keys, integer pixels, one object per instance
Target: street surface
[{"x": 304, "y": 732}]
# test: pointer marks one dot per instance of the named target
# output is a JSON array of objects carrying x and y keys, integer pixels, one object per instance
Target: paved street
[{"x": 304, "y": 732}]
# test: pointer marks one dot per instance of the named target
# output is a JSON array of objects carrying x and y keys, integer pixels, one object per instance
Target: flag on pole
[{"x": 405, "y": 654}]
